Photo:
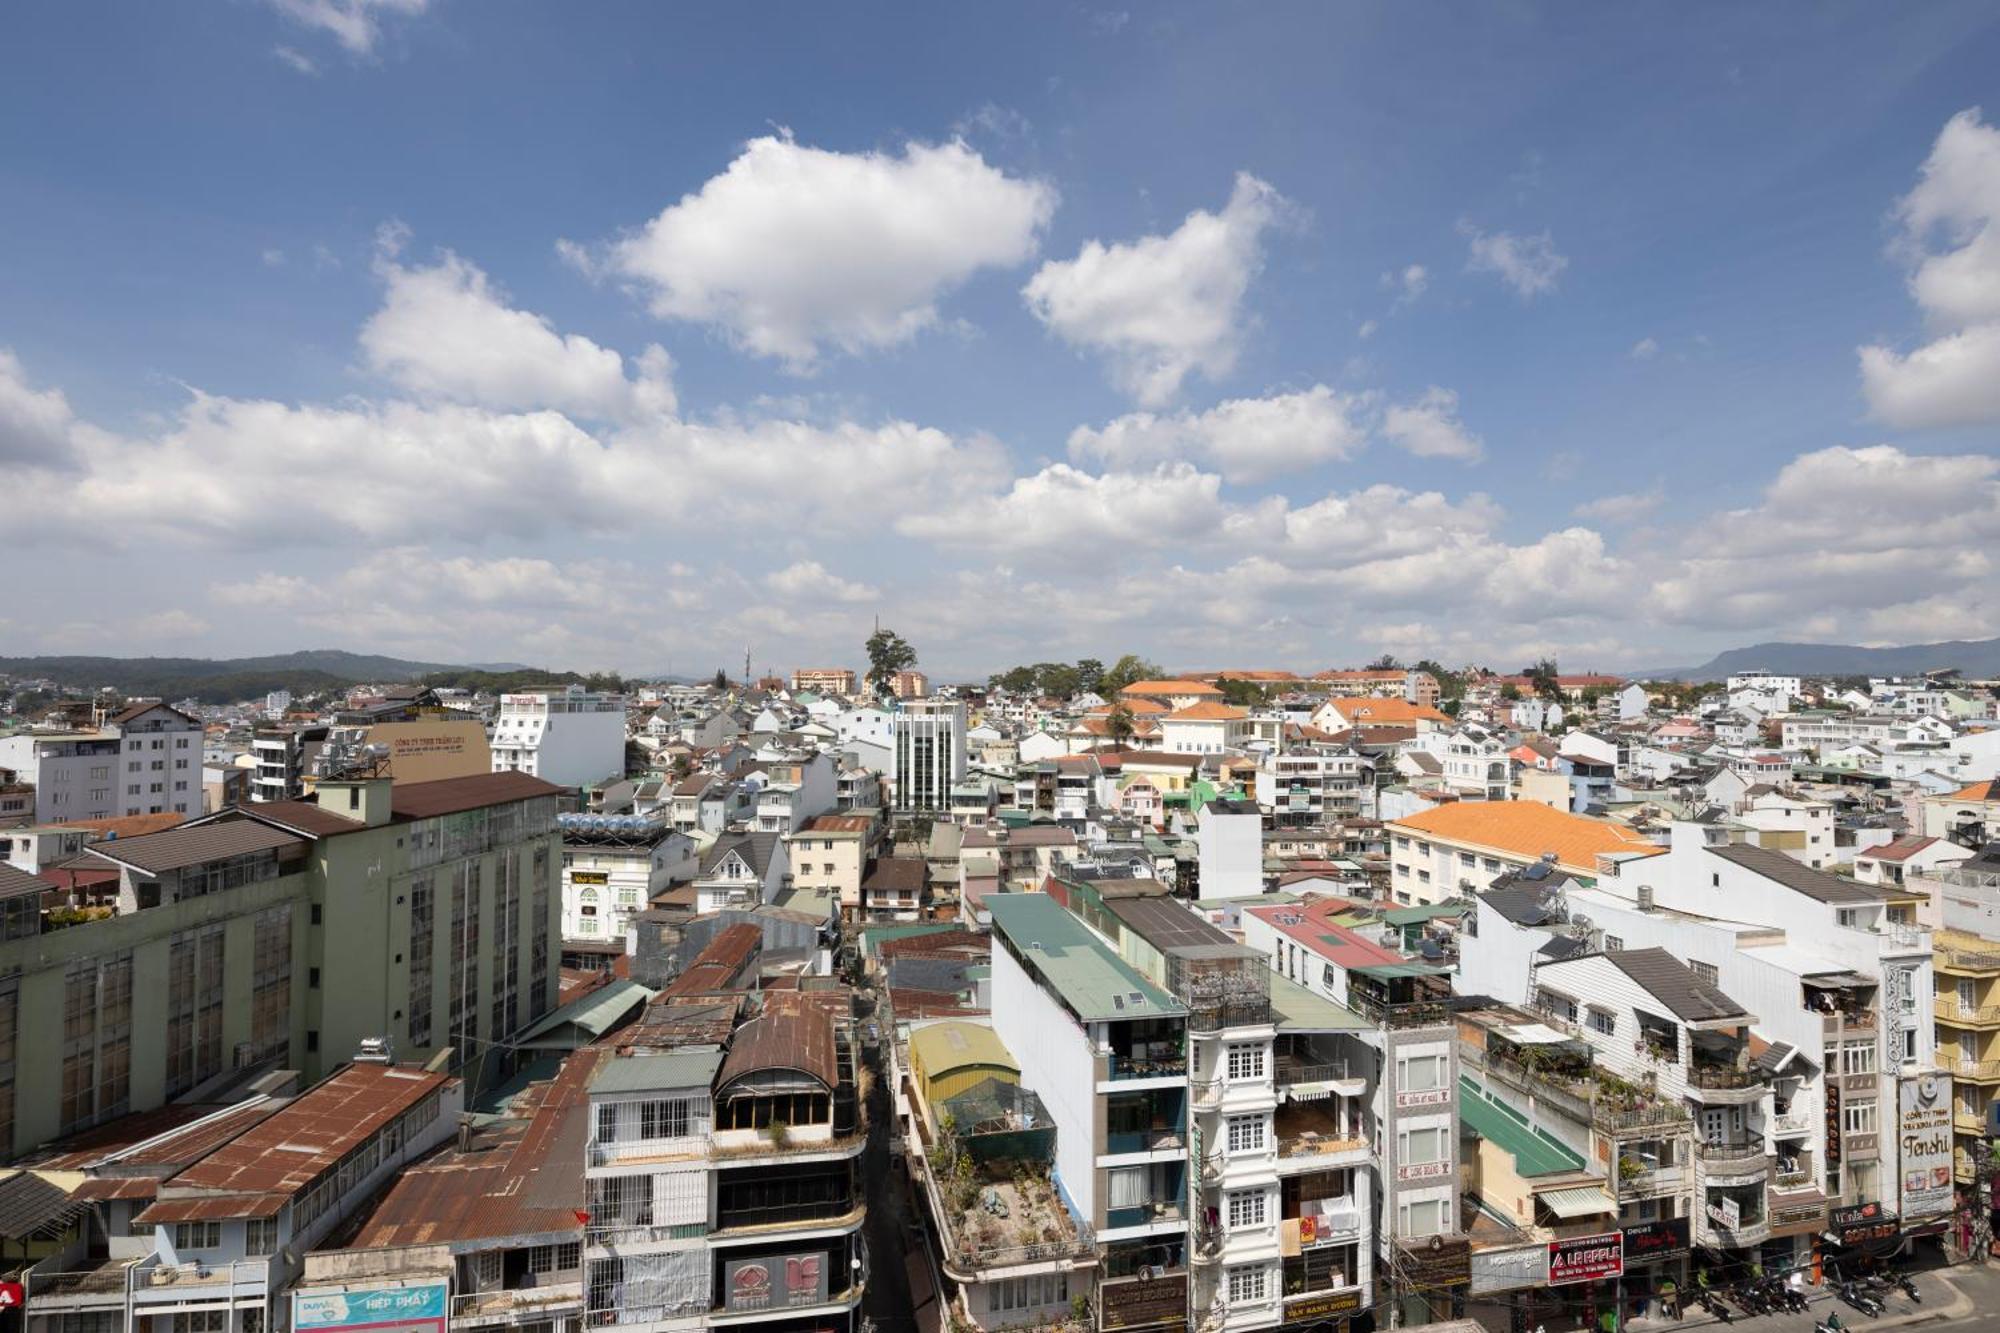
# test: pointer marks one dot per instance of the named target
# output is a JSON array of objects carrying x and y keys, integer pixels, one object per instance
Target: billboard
[
  {"x": 1923, "y": 1137},
  {"x": 423, "y": 1307},
  {"x": 775, "y": 1283},
  {"x": 1586, "y": 1258}
]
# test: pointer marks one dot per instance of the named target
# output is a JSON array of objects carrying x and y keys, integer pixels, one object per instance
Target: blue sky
[{"x": 1259, "y": 335}]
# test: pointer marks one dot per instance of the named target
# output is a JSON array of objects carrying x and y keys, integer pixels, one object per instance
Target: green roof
[
  {"x": 1389, "y": 971},
  {"x": 595, "y": 1012},
  {"x": 656, "y": 1073},
  {"x": 1299, "y": 1010},
  {"x": 1406, "y": 916},
  {"x": 1092, "y": 981},
  {"x": 1534, "y": 1153}
]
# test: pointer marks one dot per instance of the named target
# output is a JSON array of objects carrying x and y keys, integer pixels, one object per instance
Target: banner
[
  {"x": 1924, "y": 1141},
  {"x": 775, "y": 1283},
  {"x": 420, "y": 1308},
  {"x": 1586, "y": 1258},
  {"x": 1651, "y": 1241}
]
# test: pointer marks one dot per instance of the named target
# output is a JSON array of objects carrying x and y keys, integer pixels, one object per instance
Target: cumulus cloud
[
  {"x": 1528, "y": 264},
  {"x": 355, "y": 24},
  {"x": 446, "y": 333},
  {"x": 1950, "y": 233},
  {"x": 1163, "y": 307},
  {"x": 1645, "y": 349},
  {"x": 1063, "y": 511},
  {"x": 34, "y": 423},
  {"x": 810, "y": 581},
  {"x": 793, "y": 250},
  {"x": 1407, "y": 283},
  {"x": 1246, "y": 439},
  {"x": 1429, "y": 427},
  {"x": 268, "y": 590}
]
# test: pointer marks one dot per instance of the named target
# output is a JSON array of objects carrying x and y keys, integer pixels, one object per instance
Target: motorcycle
[
  {"x": 1852, "y": 1293},
  {"x": 1909, "y": 1288}
]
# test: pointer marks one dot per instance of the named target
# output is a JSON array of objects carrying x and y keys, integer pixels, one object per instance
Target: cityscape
[{"x": 1187, "y": 669}]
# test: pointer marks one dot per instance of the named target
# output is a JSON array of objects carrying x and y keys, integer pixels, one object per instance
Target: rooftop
[
  {"x": 157, "y": 853},
  {"x": 1530, "y": 829},
  {"x": 1674, "y": 984},
  {"x": 1534, "y": 1152},
  {"x": 1092, "y": 981},
  {"x": 650, "y": 1073},
  {"x": 1796, "y": 875}
]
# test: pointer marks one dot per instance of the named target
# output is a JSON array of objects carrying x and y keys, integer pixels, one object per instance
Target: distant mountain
[
  {"x": 1978, "y": 657},
  {"x": 157, "y": 673}
]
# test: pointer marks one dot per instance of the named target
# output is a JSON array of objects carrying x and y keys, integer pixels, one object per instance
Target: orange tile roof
[
  {"x": 1169, "y": 687},
  {"x": 1208, "y": 711},
  {"x": 1385, "y": 710},
  {"x": 1978, "y": 791},
  {"x": 1527, "y": 828}
]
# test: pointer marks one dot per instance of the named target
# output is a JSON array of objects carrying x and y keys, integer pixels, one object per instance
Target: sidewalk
[{"x": 1942, "y": 1301}]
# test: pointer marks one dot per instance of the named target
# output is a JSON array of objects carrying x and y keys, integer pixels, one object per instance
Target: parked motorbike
[
  {"x": 1909, "y": 1288},
  {"x": 1852, "y": 1293}
]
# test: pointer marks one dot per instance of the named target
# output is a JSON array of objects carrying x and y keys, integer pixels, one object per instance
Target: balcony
[
  {"x": 1949, "y": 1010},
  {"x": 521, "y": 1305},
  {"x": 1149, "y": 1213},
  {"x": 1122, "y": 1067},
  {"x": 1144, "y": 1140},
  {"x": 1857, "y": 1020},
  {"x": 1316, "y": 1133},
  {"x": 1730, "y": 1156},
  {"x": 1970, "y": 1071},
  {"x": 1399, "y": 1014},
  {"x": 1792, "y": 1124},
  {"x": 1957, "y": 958}
]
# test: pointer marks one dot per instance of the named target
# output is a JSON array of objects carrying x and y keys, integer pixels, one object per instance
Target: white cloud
[
  {"x": 1528, "y": 264},
  {"x": 445, "y": 332},
  {"x": 1367, "y": 330},
  {"x": 173, "y": 624},
  {"x": 1625, "y": 508},
  {"x": 1163, "y": 307},
  {"x": 34, "y": 423},
  {"x": 1246, "y": 439},
  {"x": 269, "y": 590},
  {"x": 355, "y": 24},
  {"x": 273, "y": 257},
  {"x": 793, "y": 250},
  {"x": 298, "y": 60},
  {"x": 1645, "y": 349},
  {"x": 1953, "y": 380},
  {"x": 1408, "y": 284},
  {"x": 1430, "y": 427},
  {"x": 810, "y": 581},
  {"x": 1064, "y": 513}
]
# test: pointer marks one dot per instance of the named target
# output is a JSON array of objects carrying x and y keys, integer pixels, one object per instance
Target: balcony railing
[
  {"x": 1139, "y": 1215},
  {"x": 1858, "y": 1020},
  {"x": 1310, "y": 1144},
  {"x": 1733, "y": 1154},
  {"x": 514, "y": 1305},
  {"x": 1128, "y": 1066},
  {"x": 1662, "y": 1114},
  {"x": 1792, "y": 1180},
  {"x": 1970, "y": 960},
  {"x": 1290, "y": 1075},
  {"x": 1144, "y": 1140},
  {"x": 1959, "y": 1067},
  {"x": 1721, "y": 1077},
  {"x": 1398, "y": 1014},
  {"x": 1951, "y": 1011},
  {"x": 1793, "y": 1122}
]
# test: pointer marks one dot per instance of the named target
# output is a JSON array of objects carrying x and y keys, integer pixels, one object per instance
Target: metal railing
[
  {"x": 1399, "y": 1014},
  {"x": 1730, "y": 1152},
  {"x": 1658, "y": 1115},
  {"x": 1951, "y": 1011},
  {"x": 474, "y": 1307},
  {"x": 1119, "y": 1067},
  {"x": 1292, "y": 1074},
  {"x": 1721, "y": 1077},
  {"x": 1959, "y": 1067}
]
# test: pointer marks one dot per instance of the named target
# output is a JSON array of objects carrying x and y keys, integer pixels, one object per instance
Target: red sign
[
  {"x": 12, "y": 1297},
  {"x": 1586, "y": 1258}
]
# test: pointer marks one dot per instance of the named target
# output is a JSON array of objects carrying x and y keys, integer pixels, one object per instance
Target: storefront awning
[
  {"x": 1324, "y": 1088},
  {"x": 1579, "y": 1201}
]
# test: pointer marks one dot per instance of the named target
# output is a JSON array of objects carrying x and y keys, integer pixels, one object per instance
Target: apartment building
[
  {"x": 206, "y": 1224},
  {"x": 721, "y": 1168},
  {"x": 612, "y": 865},
  {"x": 824, "y": 680},
  {"x": 284, "y": 755},
  {"x": 571, "y": 738},
  {"x": 1456, "y": 849},
  {"x": 927, "y": 754},
  {"x": 283, "y": 934},
  {"x": 1304, "y": 786}
]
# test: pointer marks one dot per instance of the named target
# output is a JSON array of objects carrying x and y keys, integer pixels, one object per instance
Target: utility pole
[{"x": 1982, "y": 1200}]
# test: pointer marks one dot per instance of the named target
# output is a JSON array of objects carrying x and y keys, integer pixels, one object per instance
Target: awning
[
  {"x": 1533, "y": 1034},
  {"x": 1579, "y": 1201},
  {"x": 1326, "y": 1087}
]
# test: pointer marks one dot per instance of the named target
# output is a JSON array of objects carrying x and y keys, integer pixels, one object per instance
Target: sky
[{"x": 639, "y": 336}]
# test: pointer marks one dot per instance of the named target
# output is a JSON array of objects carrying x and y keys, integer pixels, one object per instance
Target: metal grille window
[
  {"x": 663, "y": 1120},
  {"x": 423, "y": 920},
  {"x": 271, "y": 994}
]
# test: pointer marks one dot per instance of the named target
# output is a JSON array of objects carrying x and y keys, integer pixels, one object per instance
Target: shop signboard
[
  {"x": 1923, "y": 1138},
  {"x": 1435, "y": 1263},
  {"x": 423, "y": 1307},
  {"x": 1325, "y": 1305},
  {"x": 1586, "y": 1258},
  {"x": 1832, "y": 1122},
  {"x": 1863, "y": 1223},
  {"x": 1649, "y": 1242},
  {"x": 775, "y": 1283}
]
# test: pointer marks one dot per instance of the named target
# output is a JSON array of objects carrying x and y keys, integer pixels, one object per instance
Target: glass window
[
  {"x": 1246, "y": 1133},
  {"x": 1246, "y": 1208},
  {"x": 1246, "y": 1284},
  {"x": 1420, "y": 1073}
]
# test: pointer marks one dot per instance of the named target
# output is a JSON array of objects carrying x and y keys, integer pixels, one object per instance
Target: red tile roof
[{"x": 1311, "y": 924}]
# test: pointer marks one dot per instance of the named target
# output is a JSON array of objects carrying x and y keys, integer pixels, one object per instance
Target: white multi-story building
[
  {"x": 569, "y": 738},
  {"x": 159, "y": 760},
  {"x": 612, "y": 865},
  {"x": 927, "y": 753},
  {"x": 146, "y": 761},
  {"x": 1229, "y": 842}
]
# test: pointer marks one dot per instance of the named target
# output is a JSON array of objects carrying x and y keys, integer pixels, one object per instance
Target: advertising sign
[
  {"x": 1650, "y": 1241},
  {"x": 774, "y": 1283},
  {"x": 1832, "y": 1123},
  {"x": 1726, "y": 1213},
  {"x": 1435, "y": 1263},
  {"x": 1130, "y": 1302},
  {"x": 1326, "y": 1306},
  {"x": 1586, "y": 1258},
  {"x": 1924, "y": 1141},
  {"x": 1423, "y": 1171},
  {"x": 420, "y": 1308},
  {"x": 1863, "y": 1223},
  {"x": 1427, "y": 1097}
]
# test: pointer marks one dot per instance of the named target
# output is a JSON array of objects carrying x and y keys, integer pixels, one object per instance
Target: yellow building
[
  {"x": 951, "y": 1057},
  {"x": 1967, "y": 968}
]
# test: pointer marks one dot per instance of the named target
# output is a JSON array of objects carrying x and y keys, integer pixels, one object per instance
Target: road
[
  {"x": 1965, "y": 1297},
  {"x": 888, "y": 1301}
]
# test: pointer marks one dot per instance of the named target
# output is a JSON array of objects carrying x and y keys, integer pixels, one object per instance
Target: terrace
[{"x": 988, "y": 1168}]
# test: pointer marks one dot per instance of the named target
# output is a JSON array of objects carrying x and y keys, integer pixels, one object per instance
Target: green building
[{"x": 173, "y": 966}]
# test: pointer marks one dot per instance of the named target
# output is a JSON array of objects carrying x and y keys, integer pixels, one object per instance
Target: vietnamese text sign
[
  {"x": 1586, "y": 1258},
  {"x": 422, "y": 1308},
  {"x": 1924, "y": 1145}
]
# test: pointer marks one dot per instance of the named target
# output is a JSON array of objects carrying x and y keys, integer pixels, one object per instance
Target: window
[
  {"x": 1848, "y": 917},
  {"x": 1420, "y": 1219},
  {"x": 1246, "y": 1284},
  {"x": 1613, "y": 944},
  {"x": 555, "y": 1258},
  {"x": 1603, "y": 1020},
  {"x": 1420, "y": 1073},
  {"x": 1027, "y": 1293},
  {"x": 607, "y": 1124},
  {"x": 1418, "y": 1146},
  {"x": 197, "y": 1235},
  {"x": 1246, "y": 1060},
  {"x": 260, "y": 1236},
  {"x": 1858, "y": 1117},
  {"x": 1858, "y": 1058},
  {"x": 663, "y": 1120},
  {"x": 1704, "y": 972},
  {"x": 1246, "y": 1133},
  {"x": 1246, "y": 1208}
]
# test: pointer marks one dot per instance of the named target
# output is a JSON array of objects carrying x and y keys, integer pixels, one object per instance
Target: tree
[
  {"x": 1119, "y": 724},
  {"x": 1510, "y": 691},
  {"x": 1089, "y": 675},
  {"x": 1127, "y": 670},
  {"x": 1542, "y": 675},
  {"x": 721, "y": 681},
  {"x": 1386, "y": 662},
  {"x": 1056, "y": 679},
  {"x": 888, "y": 653},
  {"x": 1243, "y": 693}
]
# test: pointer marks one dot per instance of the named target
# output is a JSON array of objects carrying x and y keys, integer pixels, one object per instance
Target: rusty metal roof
[
  {"x": 212, "y": 1207},
  {"x": 794, "y": 1032},
  {"x": 307, "y": 818},
  {"x": 285, "y": 1153},
  {"x": 450, "y": 796}
]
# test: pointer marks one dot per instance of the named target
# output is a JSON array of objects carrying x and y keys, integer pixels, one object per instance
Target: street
[{"x": 1966, "y": 1296}]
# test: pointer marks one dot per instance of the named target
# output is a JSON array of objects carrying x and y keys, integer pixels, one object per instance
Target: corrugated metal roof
[
  {"x": 650, "y": 1073},
  {"x": 450, "y": 796},
  {"x": 212, "y": 1207},
  {"x": 945, "y": 1046},
  {"x": 31, "y": 1206},
  {"x": 1578, "y": 1201},
  {"x": 156, "y": 853},
  {"x": 1796, "y": 875},
  {"x": 594, "y": 1012},
  {"x": 794, "y": 1032},
  {"x": 1300, "y": 1010},
  {"x": 1095, "y": 983},
  {"x": 14, "y": 881}
]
